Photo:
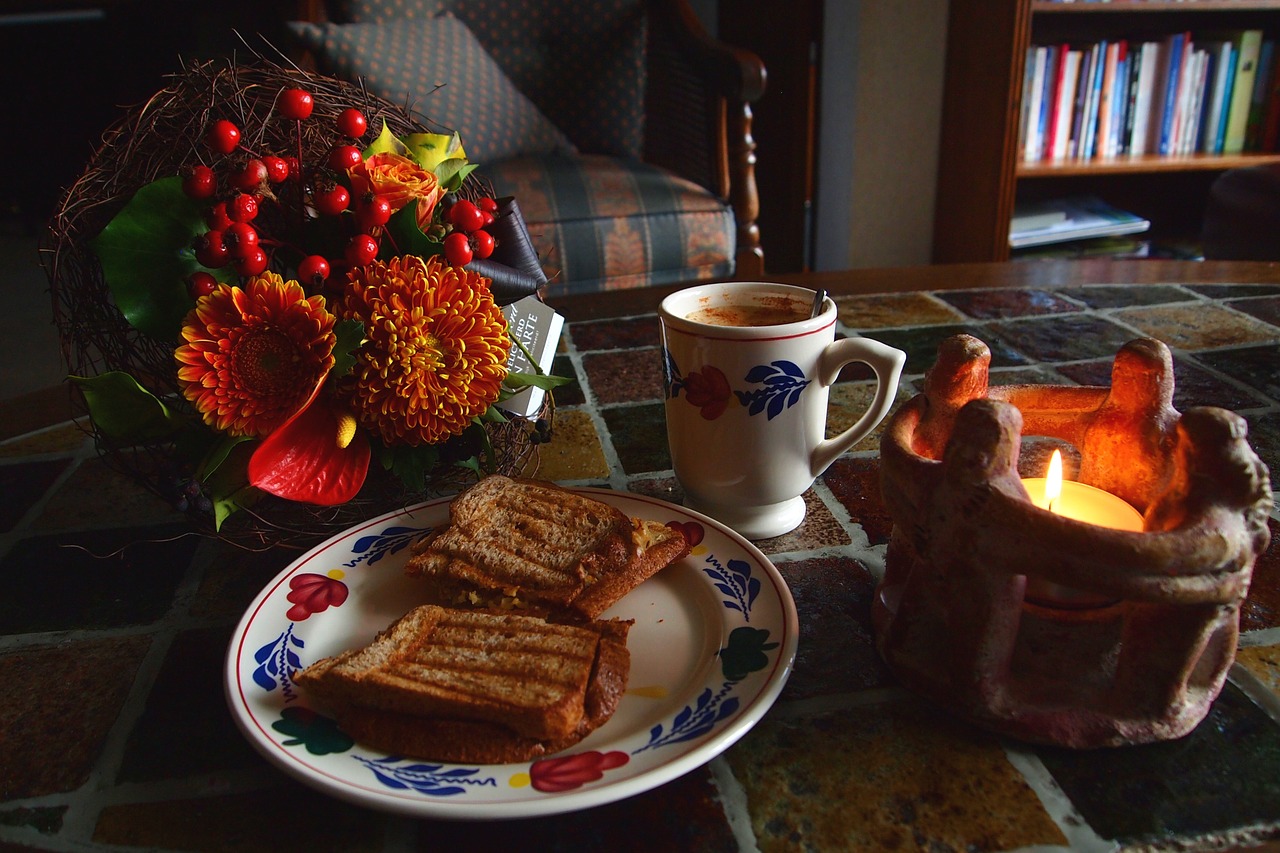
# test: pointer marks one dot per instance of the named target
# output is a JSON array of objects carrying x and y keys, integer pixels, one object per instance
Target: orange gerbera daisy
[
  {"x": 435, "y": 350},
  {"x": 253, "y": 356}
]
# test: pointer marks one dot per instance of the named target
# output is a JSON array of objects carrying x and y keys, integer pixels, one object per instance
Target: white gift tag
[{"x": 537, "y": 326}]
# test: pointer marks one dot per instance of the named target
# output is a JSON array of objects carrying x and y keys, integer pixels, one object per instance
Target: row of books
[
  {"x": 1168, "y": 95},
  {"x": 1046, "y": 222}
]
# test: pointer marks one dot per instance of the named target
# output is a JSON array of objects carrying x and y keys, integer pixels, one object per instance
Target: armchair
[{"x": 622, "y": 129}]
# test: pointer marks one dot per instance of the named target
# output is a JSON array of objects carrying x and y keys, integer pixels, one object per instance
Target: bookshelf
[{"x": 981, "y": 170}]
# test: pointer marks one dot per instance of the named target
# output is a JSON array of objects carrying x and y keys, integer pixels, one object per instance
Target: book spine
[
  {"x": 1258, "y": 101},
  {"x": 1271, "y": 125},
  {"x": 1136, "y": 61},
  {"x": 1250, "y": 46},
  {"x": 1220, "y": 140},
  {"x": 1106, "y": 110},
  {"x": 1172, "y": 89},
  {"x": 1219, "y": 58},
  {"x": 1031, "y": 151}
]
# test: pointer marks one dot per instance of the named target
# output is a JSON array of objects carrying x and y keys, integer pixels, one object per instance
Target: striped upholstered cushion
[
  {"x": 603, "y": 223},
  {"x": 581, "y": 61},
  {"x": 407, "y": 60}
]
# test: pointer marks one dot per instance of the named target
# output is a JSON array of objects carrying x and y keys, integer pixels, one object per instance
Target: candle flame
[{"x": 1053, "y": 481}]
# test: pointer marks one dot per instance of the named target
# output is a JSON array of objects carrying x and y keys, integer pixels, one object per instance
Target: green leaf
[
  {"x": 494, "y": 415},
  {"x": 408, "y": 238},
  {"x": 411, "y": 464},
  {"x": 224, "y": 508},
  {"x": 218, "y": 454},
  {"x": 430, "y": 149},
  {"x": 146, "y": 256},
  {"x": 473, "y": 465},
  {"x": 545, "y": 381},
  {"x": 452, "y": 172},
  {"x": 227, "y": 482},
  {"x": 350, "y": 335},
  {"x": 387, "y": 142},
  {"x": 125, "y": 411}
]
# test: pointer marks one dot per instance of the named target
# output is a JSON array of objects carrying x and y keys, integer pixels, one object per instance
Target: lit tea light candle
[{"x": 1079, "y": 501}]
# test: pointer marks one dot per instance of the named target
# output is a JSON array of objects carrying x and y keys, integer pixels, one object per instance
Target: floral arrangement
[{"x": 326, "y": 298}]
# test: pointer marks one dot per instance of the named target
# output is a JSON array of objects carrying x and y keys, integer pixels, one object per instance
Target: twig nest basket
[{"x": 163, "y": 138}]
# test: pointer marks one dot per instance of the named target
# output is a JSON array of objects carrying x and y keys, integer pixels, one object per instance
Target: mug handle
[{"x": 887, "y": 362}]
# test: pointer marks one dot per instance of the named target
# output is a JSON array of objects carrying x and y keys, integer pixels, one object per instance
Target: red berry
[
  {"x": 466, "y": 216},
  {"x": 211, "y": 252},
  {"x": 295, "y": 168},
  {"x": 457, "y": 249},
  {"x": 343, "y": 157},
  {"x": 253, "y": 262},
  {"x": 486, "y": 218},
  {"x": 242, "y": 208},
  {"x": 251, "y": 176},
  {"x": 277, "y": 168},
  {"x": 351, "y": 122},
  {"x": 332, "y": 200},
  {"x": 216, "y": 218},
  {"x": 199, "y": 182},
  {"x": 361, "y": 249},
  {"x": 223, "y": 136},
  {"x": 482, "y": 244},
  {"x": 241, "y": 239},
  {"x": 201, "y": 284},
  {"x": 312, "y": 271},
  {"x": 296, "y": 104},
  {"x": 373, "y": 212}
]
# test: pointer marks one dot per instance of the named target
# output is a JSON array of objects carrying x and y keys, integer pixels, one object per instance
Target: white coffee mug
[{"x": 746, "y": 405}]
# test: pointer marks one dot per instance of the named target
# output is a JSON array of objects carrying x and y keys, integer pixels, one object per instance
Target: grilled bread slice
[
  {"x": 518, "y": 543},
  {"x": 475, "y": 686}
]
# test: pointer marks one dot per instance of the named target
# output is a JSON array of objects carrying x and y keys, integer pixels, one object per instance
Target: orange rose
[{"x": 399, "y": 180}]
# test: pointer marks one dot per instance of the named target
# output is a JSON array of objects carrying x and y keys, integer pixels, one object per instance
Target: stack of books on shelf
[
  {"x": 1073, "y": 220},
  {"x": 1170, "y": 95}
]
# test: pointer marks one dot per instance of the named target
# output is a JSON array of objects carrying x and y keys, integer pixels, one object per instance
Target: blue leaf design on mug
[{"x": 784, "y": 382}]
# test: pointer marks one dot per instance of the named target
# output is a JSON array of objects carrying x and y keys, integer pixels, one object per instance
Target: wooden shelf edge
[
  {"x": 1083, "y": 7},
  {"x": 1143, "y": 164}
]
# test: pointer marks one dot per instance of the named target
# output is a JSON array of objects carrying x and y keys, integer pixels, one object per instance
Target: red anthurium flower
[
  {"x": 317, "y": 457},
  {"x": 708, "y": 389},
  {"x": 312, "y": 593},
  {"x": 573, "y": 771}
]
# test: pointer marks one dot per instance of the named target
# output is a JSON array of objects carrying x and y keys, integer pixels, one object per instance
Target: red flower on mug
[
  {"x": 312, "y": 593},
  {"x": 553, "y": 775},
  {"x": 708, "y": 389}
]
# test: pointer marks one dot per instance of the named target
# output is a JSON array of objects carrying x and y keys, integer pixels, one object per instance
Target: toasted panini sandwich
[
  {"x": 531, "y": 545},
  {"x": 471, "y": 686}
]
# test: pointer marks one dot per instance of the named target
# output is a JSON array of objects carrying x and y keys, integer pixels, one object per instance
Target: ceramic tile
[
  {"x": 617, "y": 334},
  {"x": 855, "y": 483},
  {"x": 921, "y": 345},
  {"x": 639, "y": 437},
  {"x": 685, "y": 814},
  {"x": 1234, "y": 291},
  {"x": 1261, "y": 608},
  {"x": 895, "y": 775},
  {"x": 45, "y": 820},
  {"x": 52, "y": 690},
  {"x": 1263, "y": 662},
  {"x": 22, "y": 485},
  {"x": 1192, "y": 384},
  {"x": 663, "y": 488},
  {"x": 187, "y": 698},
  {"x": 818, "y": 530},
  {"x": 571, "y": 393},
  {"x": 848, "y": 402},
  {"x": 232, "y": 577},
  {"x": 1265, "y": 308},
  {"x": 1221, "y": 775},
  {"x": 96, "y": 579},
  {"x": 574, "y": 452},
  {"x": 998, "y": 304},
  {"x": 1069, "y": 338},
  {"x": 1123, "y": 296},
  {"x": 1196, "y": 326},
  {"x": 880, "y": 311},
  {"x": 1254, "y": 366},
  {"x": 833, "y": 597},
  {"x": 1025, "y": 376},
  {"x": 284, "y": 817},
  {"x": 97, "y": 495},
  {"x": 62, "y": 439},
  {"x": 625, "y": 376}
]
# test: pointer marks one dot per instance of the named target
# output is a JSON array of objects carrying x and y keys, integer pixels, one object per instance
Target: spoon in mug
[{"x": 818, "y": 299}]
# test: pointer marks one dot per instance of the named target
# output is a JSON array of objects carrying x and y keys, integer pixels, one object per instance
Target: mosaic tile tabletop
[{"x": 114, "y": 733}]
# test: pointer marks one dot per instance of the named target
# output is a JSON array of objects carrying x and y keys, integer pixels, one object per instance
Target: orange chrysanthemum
[
  {"x": 435, "y": 350},
  {"x": 253, "y": 356}
]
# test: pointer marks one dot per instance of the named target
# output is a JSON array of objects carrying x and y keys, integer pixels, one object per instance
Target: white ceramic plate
[{"x": 713, "y": 642}]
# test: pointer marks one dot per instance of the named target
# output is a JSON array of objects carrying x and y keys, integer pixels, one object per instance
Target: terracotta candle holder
[{"x": 1130, "y": 635}]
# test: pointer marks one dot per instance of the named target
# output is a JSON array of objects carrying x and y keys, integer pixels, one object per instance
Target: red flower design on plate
[
  {"x": 692, "y": 531},
  {"x": 708, "y": 389},
  {"x": 552, "y": 775},
  {"x": 312, "y": 593}
]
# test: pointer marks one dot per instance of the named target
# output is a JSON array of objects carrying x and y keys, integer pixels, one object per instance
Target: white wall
[{"x": 882, "y": 78}]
